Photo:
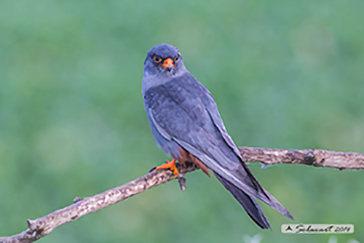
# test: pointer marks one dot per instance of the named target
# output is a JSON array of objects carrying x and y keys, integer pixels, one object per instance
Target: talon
[{"x": 169, "y": 165}]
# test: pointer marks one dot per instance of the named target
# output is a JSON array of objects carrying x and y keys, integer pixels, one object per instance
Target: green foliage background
[{"x": 285, "y": 74}]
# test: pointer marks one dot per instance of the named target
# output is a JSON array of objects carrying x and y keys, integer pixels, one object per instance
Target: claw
[{"x": 169, "y": 165}]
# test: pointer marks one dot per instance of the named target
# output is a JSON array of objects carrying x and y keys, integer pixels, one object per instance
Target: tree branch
[
  {"x": 40, "y": 227},
  {"x": 314, "y": 157}
]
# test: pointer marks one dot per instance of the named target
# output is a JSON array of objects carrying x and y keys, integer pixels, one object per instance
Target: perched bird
[{"x": 186, "y": 124}]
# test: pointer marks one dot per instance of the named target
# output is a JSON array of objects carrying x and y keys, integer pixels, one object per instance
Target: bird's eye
[
  {"x": 157, "y": 59},
  {"x": 177, "y": 58}
]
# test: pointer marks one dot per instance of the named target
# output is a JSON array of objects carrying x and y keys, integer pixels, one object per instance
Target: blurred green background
[{"x": 285, "y": 74}]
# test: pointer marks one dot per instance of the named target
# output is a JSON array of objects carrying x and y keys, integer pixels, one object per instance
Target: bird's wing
[
  {"x": 211, "y": 108},
  {"x": 183, "y": 110},
  {"x": 177, "y": 109}
]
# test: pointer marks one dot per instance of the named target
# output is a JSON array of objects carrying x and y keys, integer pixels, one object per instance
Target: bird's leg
[{"x": 169, "y": 165}]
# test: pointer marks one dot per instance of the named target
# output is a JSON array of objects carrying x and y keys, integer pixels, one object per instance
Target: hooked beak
[{"x": 168, "y": 64}]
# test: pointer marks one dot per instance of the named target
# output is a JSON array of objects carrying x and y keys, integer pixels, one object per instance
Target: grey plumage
[{"x": 184, "y": 116}]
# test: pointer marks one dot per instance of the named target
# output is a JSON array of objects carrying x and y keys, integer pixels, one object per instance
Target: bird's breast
[{"x": 175, "y": 101}]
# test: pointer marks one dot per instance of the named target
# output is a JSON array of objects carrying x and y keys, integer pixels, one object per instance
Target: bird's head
[{"x": 164, "y": 61}]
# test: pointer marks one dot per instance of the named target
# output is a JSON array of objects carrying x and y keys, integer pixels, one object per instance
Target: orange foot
[{"x": 169, "y": 165}]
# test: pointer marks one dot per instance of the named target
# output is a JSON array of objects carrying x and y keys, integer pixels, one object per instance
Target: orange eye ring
[
  {"x": 176, "y": 58},
  {"x": 157, "y": 59}
]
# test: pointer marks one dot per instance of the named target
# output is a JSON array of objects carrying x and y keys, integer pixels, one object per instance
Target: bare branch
[
  {"x": 40, "y": 227},
  {"x": 314, "y": 157}
]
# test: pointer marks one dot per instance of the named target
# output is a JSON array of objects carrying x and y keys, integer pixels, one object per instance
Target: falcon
[{"x": 186, "y": 124}]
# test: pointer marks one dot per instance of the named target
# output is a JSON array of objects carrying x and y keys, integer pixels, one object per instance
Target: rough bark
[{"x": 40, "y": 227}]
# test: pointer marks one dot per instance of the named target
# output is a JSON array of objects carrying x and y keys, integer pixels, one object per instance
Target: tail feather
[
  {"x": 277, "y": 206},
  {"x": 249, "y": 204},
  {"x": 255, "y": 190}
]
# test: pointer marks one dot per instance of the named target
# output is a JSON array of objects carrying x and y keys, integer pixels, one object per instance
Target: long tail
[
  {"x": 249, "y": 204},
  {"x": 249, "y": 187}
]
